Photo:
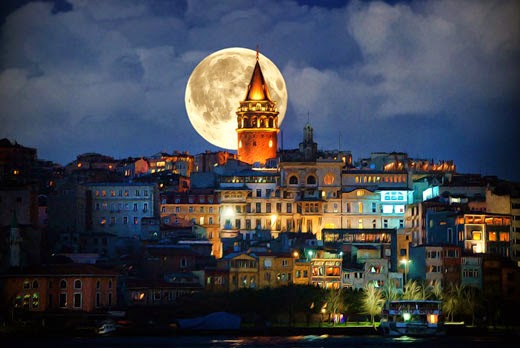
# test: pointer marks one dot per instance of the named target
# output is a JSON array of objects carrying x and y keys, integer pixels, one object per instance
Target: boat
[
  {"x": 412, "y": 318},
  {"x": 106, "y": 327}
]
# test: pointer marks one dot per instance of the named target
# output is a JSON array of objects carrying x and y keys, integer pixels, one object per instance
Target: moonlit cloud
[{"x": 436, "y": 79}]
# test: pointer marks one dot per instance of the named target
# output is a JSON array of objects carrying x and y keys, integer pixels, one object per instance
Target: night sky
[{"x": 435, "y": 79}]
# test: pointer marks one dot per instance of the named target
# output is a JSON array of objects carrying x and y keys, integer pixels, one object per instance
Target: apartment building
[
  {"x": 73, "y": 287},
  {"x": 118, "y": 208}
]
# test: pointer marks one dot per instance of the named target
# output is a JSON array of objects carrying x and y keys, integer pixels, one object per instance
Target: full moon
[{"x": 219, "y": 83}]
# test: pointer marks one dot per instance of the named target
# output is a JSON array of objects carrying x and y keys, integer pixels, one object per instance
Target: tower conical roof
[{"x": 257, "y": 89}]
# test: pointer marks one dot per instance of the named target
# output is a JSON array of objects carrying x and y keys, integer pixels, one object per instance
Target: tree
[
  {"x": 372, "y": 302},
  {"x": 471, "y": 304},
  {"x": 453, "y": 301},
  {"x": 412, "y": 291},
  {"x": 436, "y": 290},
  {"x": 335, "y": 302},
  {"x": 390, "y": 291}
]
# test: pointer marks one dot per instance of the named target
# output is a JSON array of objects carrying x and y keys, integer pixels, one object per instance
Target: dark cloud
[{"x": 436, "y": 79}]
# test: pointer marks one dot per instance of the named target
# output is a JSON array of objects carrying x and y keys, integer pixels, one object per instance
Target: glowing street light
[{"x": 406, "y": 264}]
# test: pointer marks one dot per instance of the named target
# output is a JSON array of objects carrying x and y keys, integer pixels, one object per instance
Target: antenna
[{"x": 257, "y": 51}]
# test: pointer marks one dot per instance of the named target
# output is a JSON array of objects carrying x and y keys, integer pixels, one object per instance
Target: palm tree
[
  {"x": 436, "y": 290},
  {"x": 372, "y": 302},
  {"x": 391, "y": 292},
  {"x": 412, "y": 291},
  {"x": 471, "y": 302},
  {"x": 423, "y": 293},
  {"x": 453, "y": 301}
]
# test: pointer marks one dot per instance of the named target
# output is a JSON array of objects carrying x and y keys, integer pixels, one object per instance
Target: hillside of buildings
[{"x": 101, "y": 235}]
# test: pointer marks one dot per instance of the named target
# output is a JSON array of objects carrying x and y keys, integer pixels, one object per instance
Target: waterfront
[{"x": 232, "y": 341}]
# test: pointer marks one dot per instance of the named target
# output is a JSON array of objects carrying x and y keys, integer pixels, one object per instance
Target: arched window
[
  {"x": 311, "y": 180},
  {"x": 35, "y": 284},
  {"x": 293, "y": 180},
  {"x": 77, "y": 284},
  {"x": 328, "y": 179},
  {"x": 110, "y": 283},
  {"x": 63, "y": 284},
  {"x": 98, "y": 285}
]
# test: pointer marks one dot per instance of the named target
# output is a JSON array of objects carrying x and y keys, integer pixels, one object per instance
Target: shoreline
[{"x": 451, "y": 330}]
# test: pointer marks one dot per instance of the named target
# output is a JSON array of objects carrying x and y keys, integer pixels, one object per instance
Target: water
[{"x": 261, "y": 341}]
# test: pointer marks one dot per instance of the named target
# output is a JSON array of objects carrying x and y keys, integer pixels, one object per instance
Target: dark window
[
  {"x": 63, "y": 300},
  {"x": 77, "y": 300}
]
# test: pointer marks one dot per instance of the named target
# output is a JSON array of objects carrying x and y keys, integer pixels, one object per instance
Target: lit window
[
  {"x": 35, "y": 300},
  {"x": 388, "y": 209},
  {"x": 504, "y": 236}
]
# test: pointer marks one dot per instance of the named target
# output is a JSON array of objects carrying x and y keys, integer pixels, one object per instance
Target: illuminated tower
[{"x": 257, "y": 119}]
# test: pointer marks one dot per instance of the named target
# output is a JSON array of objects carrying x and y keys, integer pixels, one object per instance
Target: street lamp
[{"x": 406, "y": 264}]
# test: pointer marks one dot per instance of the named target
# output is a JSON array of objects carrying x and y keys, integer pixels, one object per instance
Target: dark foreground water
[{"x": 324, "y": 341}]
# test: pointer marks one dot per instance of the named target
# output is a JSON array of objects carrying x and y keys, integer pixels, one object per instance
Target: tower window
[{"x": 270, "y": 143}]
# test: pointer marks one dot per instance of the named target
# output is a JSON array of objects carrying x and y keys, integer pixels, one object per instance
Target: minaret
[
  {"x": 257, "y": 119},
  {"x": 15, "y": 241}
]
